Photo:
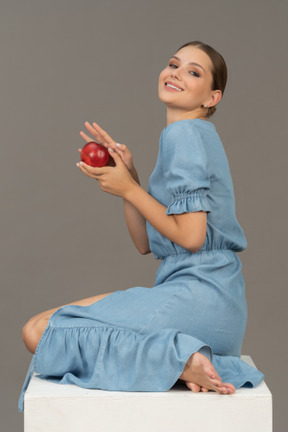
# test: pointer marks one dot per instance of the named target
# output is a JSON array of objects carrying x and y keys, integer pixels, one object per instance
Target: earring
[{"x": 205, "y": 106}]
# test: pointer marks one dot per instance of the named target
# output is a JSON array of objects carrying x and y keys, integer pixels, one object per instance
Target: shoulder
[
  {"x": 185, "y": 139},
  {"x": 188, "y": 129}
]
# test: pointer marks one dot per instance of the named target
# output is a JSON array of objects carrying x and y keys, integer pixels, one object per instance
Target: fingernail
[
  {"x": 110, "y": 150},
  {"x": 118, "y": 145},
  {"x": 77, "y": 164}
]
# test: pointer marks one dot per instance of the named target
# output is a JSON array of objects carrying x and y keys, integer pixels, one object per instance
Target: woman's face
[{"x": 186, "y": 83}]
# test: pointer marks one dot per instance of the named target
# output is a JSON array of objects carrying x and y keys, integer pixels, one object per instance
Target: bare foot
[{"x": 200, "y": 375}]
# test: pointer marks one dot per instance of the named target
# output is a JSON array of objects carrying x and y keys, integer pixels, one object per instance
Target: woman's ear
[{"x": 216, "y": 96}]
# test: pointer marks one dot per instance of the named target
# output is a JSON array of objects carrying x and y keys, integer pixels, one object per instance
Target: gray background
[{"x": 65, "y": 62}]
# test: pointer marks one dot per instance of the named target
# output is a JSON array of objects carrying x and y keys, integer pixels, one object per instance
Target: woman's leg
[
  {"x": 34, "y": 328},
  {"x": 199, "y": 373}
]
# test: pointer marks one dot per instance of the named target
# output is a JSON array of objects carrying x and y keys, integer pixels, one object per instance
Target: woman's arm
[
  {"x": 136, "y": 223},
  {"x": 187, "y": 230}
]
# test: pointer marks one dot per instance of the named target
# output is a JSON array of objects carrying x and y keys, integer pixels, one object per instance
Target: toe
[
  {"x": 232, "y": 388},
  {"x": 194, "y": 387},
  {"x": 213, "y": 375},
  {"x": 229, "y": 387}
]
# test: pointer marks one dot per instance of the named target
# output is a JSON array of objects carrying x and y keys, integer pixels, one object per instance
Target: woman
[{"x": 145, "y": 339}]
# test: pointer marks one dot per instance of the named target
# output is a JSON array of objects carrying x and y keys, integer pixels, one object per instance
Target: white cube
[{"x": 50, "y": 407}]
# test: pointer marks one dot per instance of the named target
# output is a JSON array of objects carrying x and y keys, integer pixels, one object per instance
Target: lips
[{"x": 170, "y": 85}]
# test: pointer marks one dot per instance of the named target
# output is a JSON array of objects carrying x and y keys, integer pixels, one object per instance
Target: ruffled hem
[
  {"x": 114, "y": 359},
  {"x": 237, "y": 372},
  {"x": 188, "y": 203},
  {"x": 108, "y": 358}
]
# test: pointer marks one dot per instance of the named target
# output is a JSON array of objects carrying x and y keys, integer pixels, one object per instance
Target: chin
[{"x": 166, "y": 97}]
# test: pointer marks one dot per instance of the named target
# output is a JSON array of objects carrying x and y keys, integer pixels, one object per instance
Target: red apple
[{"x": 94, "y": 154}]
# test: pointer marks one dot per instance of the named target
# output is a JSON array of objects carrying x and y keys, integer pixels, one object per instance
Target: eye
[
  {"x": 173, "y": 65},
  {"x": 193, "y": 73}
]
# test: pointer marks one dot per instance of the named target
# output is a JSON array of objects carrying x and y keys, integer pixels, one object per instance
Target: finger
[
  {"x": 119, "y": 152},
  {"x": 87, "y": 173},
  {"x": 117, "y": 158},
  {"x": 86, "y": 137},
  {"x": 96, "y": 172},
  {"x": 121, "y": 147},
  {"x": 93, "y": 170},
  {"x": 126, "y": 152},
  {"x": 93, "y": 131},
  {"x": 106, "y": 140}
]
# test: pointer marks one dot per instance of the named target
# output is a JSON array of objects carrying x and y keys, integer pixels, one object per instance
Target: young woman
[{"x": 144, "y": 339}]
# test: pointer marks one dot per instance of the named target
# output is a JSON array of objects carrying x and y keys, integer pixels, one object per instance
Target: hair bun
[{"x": 211, "y": 110}]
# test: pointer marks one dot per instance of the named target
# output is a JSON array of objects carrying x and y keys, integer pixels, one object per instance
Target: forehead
[{"x": 193, "y": 54}]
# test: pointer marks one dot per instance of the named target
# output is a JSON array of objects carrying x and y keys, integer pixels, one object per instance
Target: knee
[
  {"x": 32, "y": 332},
  {"x": 28, "y": 335}
]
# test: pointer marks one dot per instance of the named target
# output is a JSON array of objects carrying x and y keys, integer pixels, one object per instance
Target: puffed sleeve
[{"x": 185, "y": 169}]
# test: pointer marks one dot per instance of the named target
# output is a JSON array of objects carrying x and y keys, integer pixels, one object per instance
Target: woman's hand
[
  {"x": 115, "y": 180},
  {"x": 103, "y": 138}
]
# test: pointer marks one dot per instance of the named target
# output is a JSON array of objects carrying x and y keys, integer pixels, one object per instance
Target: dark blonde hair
[{"x": 219, "y": 68}]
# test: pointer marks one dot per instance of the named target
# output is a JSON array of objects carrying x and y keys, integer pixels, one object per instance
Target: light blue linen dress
[{"x": 140, "y": 339}]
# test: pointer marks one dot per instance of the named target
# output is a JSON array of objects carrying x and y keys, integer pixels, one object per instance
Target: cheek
[
  {"x": 163, "y": 75},
  {"x": 161, "y": 80},
  {"x": 198, "y": 87}
]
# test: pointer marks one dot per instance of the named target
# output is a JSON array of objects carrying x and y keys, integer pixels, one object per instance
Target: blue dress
[{"x": 140, "y": 339}]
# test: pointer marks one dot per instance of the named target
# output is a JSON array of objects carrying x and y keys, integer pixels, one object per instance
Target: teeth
[{"x": 176, "y": 88}]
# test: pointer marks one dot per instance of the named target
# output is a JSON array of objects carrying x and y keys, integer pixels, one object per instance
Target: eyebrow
[{"x": 191, "y": 63}]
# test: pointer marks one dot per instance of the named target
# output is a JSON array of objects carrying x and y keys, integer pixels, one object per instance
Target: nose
[{"x": 175, "y": 73}]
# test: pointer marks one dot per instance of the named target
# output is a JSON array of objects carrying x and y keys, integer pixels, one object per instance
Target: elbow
[
  {"x": 144, "y": 251},
  {"x": 194, "y": 249},
  {"x": 193, "y": 245},
  {"x": 143, "y": 247}
]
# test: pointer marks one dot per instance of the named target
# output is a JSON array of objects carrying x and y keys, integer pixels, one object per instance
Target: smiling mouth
[{"x": 173, "y": 87}]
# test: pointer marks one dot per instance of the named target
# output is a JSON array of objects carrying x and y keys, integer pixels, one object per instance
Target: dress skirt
[{"x": 140, "y": 339}]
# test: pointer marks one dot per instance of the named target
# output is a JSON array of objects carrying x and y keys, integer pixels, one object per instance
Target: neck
[{"x": 176, "y": 115}]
